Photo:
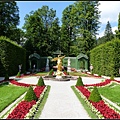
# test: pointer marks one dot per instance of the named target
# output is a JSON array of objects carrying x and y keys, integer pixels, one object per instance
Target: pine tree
[{"x": 108, "y": 32}]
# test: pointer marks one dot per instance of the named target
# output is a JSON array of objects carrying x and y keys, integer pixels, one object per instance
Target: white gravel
[{"x": 62, "y": 102}]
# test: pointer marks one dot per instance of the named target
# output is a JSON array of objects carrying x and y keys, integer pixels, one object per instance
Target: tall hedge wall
[
  {"x": 11, "y": 55},
  {"x": 105, "y": 58}
]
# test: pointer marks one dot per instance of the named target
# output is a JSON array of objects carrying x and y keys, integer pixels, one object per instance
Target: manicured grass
[
  {"x": 86, "y": 107},
  {"x": 78, "y": 74},
  {"x": 8, "y": 94},
  {"x": 40, "y": 108},
  {"x": 111, "y": 92},
  {"x": 42, "y": 73}
]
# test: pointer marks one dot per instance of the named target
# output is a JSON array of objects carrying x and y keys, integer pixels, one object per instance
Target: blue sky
[{"x": 109, "y": 11}]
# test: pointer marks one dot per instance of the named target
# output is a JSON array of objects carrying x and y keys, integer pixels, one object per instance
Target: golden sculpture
[{"x": 59, "y": 64}]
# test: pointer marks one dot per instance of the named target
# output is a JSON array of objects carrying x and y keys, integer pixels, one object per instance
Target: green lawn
[
  {"x": 111, "y": 92},
  {"x": 77, "y": 74},
  {"x": 42, "y": 73},
  {"x": 8, "y": 94}
]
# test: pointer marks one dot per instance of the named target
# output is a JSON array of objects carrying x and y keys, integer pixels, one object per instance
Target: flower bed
[
  {"x": 101, "y": 109},
  {"x": 26, "y": 109},
  {"x": 21, "y": 110},
  {"x": 12, "y": 81}
]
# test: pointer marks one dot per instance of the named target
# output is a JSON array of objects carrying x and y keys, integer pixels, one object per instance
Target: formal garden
[{"x": 36, "y": 50}]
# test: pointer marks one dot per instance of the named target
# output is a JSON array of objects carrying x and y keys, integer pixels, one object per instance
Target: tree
[
  {"x": 81, "y": 21},
  {"x": 41, "y": 29},
  {"x": 118, "y": 31},
  {"x": 108, "y": 32},
  {"x": 9, "y": 19}
]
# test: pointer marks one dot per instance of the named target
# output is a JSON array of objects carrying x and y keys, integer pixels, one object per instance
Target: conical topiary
[
  {"x": 51, "y": 72},
  {"x": 95, "y": 95},
  {"x": 18, "y": 74},
  {"x": 41, "y": 82},
  {"x": 30, "y": 95},
  {"x": 79, "y": 82}
]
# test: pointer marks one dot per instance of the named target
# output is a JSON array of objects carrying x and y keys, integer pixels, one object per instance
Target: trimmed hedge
[
  {"x": 79, "y": 82},
  {"x": 30, "y": 95},
  {"x": 41, "y": 82},
  {"x": 11, "y": 55},
  {"x": 95, "y": 95},
  {"x": 105, "y": 58}
]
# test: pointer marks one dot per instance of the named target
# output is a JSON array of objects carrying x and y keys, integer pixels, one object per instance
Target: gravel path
[{"x": 62, "y": 102}]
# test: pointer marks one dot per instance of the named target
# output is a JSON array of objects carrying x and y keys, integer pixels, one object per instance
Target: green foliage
[
  {"x": 41, "y": 82},
  {"x": 112, "y": 77},
  {"x": 30, "y": 95},
  {"x": 79, "y": 82},
  {"x": 6, "y": 76},
  {"x": 95, "y": 95},
  {"x": 9, "y": 19},
  {"x": 11, "y": 56},
  {"x": 106, "y": 57},
  {"x": 51, "y": 72},
  {"x": 42, "y": 30},
  {"x": 108, "y": 32},
  {"x": 81, "y": 18},
  {"x": 18, "y": 74}
]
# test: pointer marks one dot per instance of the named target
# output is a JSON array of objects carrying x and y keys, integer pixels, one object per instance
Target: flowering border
[
  {"x": 102, "y": 108},
  {"x": 25, "y": 109}
]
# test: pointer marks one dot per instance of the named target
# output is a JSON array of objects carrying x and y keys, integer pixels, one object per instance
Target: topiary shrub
[
  {"x": 79, "y": 82},
  {"x": 18, "y": 74},
  {"x": 6, "y": 77},
  {"x": 112, "y": 77},
  {"x": 30, "y": 95},
  {"x": 51, "y": 72},
  {"x": 95, "y": 95},
  {"x": 41, "y": 82}
]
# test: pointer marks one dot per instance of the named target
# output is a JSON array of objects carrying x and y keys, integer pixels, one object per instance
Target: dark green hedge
[
  {"x": 11, "y": 55},
  {"x": 105, "y": 58}
]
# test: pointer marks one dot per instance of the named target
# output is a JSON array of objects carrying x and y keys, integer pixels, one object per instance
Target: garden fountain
[{"x": 59, "y": 74}]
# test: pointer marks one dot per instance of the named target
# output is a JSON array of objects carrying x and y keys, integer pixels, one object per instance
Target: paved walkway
[{"x": 62, "y": 103}]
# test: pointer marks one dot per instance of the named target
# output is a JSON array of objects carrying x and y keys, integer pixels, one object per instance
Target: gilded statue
[{"x": 59, "y": 64}]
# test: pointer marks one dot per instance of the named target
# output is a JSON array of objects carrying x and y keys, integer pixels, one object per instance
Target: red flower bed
[
  {"x": 104, "y": 109},
  {"x": 84, "y": 91},
  {"x": 38, "y": 90},
  {"x": 21, "y": 110},
  {"x": 20, "y": 84},
  {"x": 107, "y": 81}
]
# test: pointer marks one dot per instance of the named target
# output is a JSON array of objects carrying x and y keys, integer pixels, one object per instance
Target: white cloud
[
  {"x": 114, "y": 28},
  {"x": 109, "y": 11}
]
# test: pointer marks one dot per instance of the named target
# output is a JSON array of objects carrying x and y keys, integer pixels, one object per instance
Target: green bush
[
  {"x": 18, "y": 74},
  {"x": 11, "y": 55},
  {"x": 30, "y": 95},
  {"x": 6, "y": 76},
  {"x": 79, "y": 82},
  {"x": 51, "y": 72},
  {"x": 112, "y": 77},
  {"x": 95, "y": 95},
  {"x": 41, "y": 82},
  {"x": 105, "y": 58}
]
